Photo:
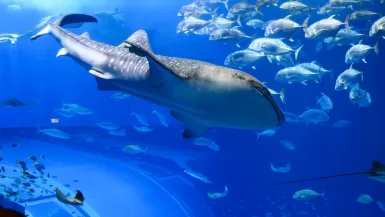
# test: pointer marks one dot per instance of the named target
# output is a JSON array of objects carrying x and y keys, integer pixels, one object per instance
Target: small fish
[
  {"x": 358, "y": 52},
  {"x": 1, "y": 158},
  {"x": 287, "y": 144},
  {"x": 307, "y": 195},
  {"x": 120, "y": 95},
  {"x": 269, "y": 132},
  {"x": 359, "y": 96},
  {"x": 133, "y": 149},
  {"x": 42, "y": 156},
  {"x": 33, "y": 158},
  {"x": 140, "y": 118},
  {"x": 108, "y": 126},
  {"x": 120, "y": 132},
  {"x": 284, "y": 169},
  {"x": 341, "y": 123},
  {"x": 218, "y": 195},
  {"x": 381, "y": 205},
  {"x": 76, "y": 181},
  {"x": 55, "y": 133},
  {"x": 142, "y": 129},
  {"x": 198, "y": 176},
  {"x": 15, "y": 144},
  {"x": 206, "y": 142},
  {"x": 313, "y": 116},
  {"x": 365, "y": 199},
  {"x": 325, "y": 102},
  {"x": 3, "y": 169},
  {"x": 161, "y": 118},
  {"x": 67, "y": 185}
]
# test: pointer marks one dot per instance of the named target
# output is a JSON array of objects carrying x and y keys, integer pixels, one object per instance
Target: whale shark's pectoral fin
[
  {"x": 101, "y": 74},
  {"x": 194, "y": 127}
]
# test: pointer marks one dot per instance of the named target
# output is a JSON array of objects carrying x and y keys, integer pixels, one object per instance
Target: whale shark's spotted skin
[{"x": 199, "y": 94}]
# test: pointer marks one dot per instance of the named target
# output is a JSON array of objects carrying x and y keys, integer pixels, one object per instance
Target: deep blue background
[{"x": 30, "y": 71}]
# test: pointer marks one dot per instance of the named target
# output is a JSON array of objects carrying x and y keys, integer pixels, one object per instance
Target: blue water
[{"x": 30, "y": 71}]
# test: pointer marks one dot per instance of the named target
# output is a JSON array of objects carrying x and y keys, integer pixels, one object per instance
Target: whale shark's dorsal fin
[
  {"x": 139, "y": 45},
  {"x": 140, "y": 37}
]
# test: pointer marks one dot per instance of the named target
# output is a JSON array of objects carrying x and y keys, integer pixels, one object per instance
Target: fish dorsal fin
[
  {"x": 287, "y": 17},
  {"x": 220, "y": 16},
  {"x": 236, "y": 27},
  {"x": 314, "y": 62},
  {"x": 85, "y": 35},
  {"x": 377, "y": 167},
  {"x": 140, "y": 38},
  {"x": 332, "y": 16},
  {"x": 79, "y": 196},
  {"x": 360, "y": 41},
  {"x": 351, "y": 66}
]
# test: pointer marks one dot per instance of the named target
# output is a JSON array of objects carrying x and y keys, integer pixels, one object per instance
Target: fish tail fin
[
  {"x": 297, "y": 52},
  {"x": 214, "y": 15},
  {"x": 351, "y": 7},
  {"x": 347, "y": 27},
  {"x": 133, "y": 112},
  {"x": 70, "y": 20},
  {"x": 254, "y": 36},
  {"x": 38, "y": 130},
  {"x": 239, "y": 21},
  {"x": 226, "y": 3},
  {"x": 282, "y": 95},
  {"x": 305, "y": 24},
  {"x": 376, "y": 48},
  {"x": 79, "y": 196},
  {"x": 258, "y": 135},
  {"x": 226, "y": 189},
  {"x": 332, "y": 76}
]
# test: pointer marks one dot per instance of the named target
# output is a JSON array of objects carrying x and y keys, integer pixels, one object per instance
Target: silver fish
[
  {"x": 54, "y": 133},
  {"x": 313, "y": 116},
  {"x": 324, "y": 28},
  {"x": 272, "y": 46},
  {"x": 296, "y": 74},
  {"x": 284, "y": 169},
  {"x": 198, "y": 176},
  {"x": 359, "y": 96},
  {"x": 348, "y": 78},
  {"x": 358, "y": 52},
  {"x": 378, "y": 28},
  {"x": 242, "y": 58}
]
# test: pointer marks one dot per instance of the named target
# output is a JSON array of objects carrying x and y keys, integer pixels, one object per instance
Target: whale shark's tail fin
[{"x": 67, "y": 21}]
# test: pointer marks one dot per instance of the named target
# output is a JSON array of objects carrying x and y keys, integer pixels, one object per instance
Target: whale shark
[{"x": 201, "y": 95}]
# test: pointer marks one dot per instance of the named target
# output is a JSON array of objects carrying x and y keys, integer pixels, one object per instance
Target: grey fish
[
  {"x": 358, "y": 52},
  {"x": 325, "y": 102},
  {"x": 80, "y": 110},
  {"x": 287, "y": 144},
  {"x": 284, "y": 169},
  {"x": 255, "y": 23},
  {"x": 232, "y": 35},
  {"x": 378, "y": 28},
  {"x": 295, "y": 6},
  {"x": 192, "y": 10},
  {"x": 240, "y": 7},
  {"x": 198, "y": 176},
  {"x": 348, "y": 78},
  {"x": 120, "y": 95},
  {"x": 265, "y": 3},
  {"x": 313, "y": 116},
  {"x": 208, "y": 95},
  {"x": 108, "y": 126},
  {"x": 191, "y": 24},
  {"x": 346, "y": 2},
  {"x": 331, "y": 10},
  {"x": 359, "y": 96},
  {"x": 341, "y": 123},
  {"x": 284, "y": 60},
  {"x": 296, "y": 74},
  {"x": 307, "y": 195},
  {"x": 362, "y": 15},
  {"x": 324, "y": 28},
  {"x": 161, "y": 118},
  {"x": 272, "y": 46},
  {"x": 142, "y": 129},
  {"x": 282, "y": 28},
  {"x": 68, "y": 113},
  {"x": 344, "y": 37},
  {"x": 213, "y": 3},
  {"x": 54, "y": 133},
  {"x": 314, "y": 67},
  {"x": 270, "y": 132},
  {"x": 242, "y": 58},
  {"x": 140, "y": 118}
]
